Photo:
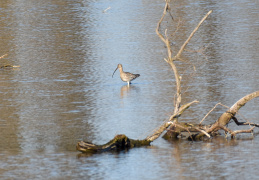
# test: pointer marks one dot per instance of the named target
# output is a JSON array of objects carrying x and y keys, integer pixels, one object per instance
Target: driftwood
[
  {"x": 225, "y": 118},
  {"x": 209, "y": 131},
  {"x": 118, "y": 143},
  {"x": 122, "y": 142},
  {"x": 174, "y": 128},
  {"x": 7, "y": 65}
]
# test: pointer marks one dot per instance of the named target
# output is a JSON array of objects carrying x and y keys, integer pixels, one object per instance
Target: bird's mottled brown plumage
[{"x": 126, "y": 76}]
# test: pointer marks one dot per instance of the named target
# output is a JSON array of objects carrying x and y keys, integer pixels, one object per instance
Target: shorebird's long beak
[{"x": 114, "y": 71}]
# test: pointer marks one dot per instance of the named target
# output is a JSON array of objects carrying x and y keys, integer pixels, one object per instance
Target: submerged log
[{"x": 118, "y": 143}]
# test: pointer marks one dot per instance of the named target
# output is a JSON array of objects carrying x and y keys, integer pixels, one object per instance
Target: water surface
[{"x": 63, "y": 91}]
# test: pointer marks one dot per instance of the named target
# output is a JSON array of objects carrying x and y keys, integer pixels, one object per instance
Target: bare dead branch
[
  {"x": 191, "y": 35},
  {"x": 170, "y": 61},
  {"x": 160, "y": 21}
]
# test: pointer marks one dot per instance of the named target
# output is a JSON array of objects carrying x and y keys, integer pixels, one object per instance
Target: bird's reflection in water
[{"x": 125, "y": 90}]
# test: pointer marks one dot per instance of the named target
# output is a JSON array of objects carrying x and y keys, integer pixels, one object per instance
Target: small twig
[
  {"x": 169, "y": 11},
  {"x": 234, "y": 133},
  {"x": 177, "y": 28},
  {"x": 104, "y": 11},
  {"x": 3, "y": 56},
  {"x": 187, "y": 129},
  {"x": 191, "y": 35},
  {"x": 227, "y": 130},
  {"x": 247, "y": 121},
  {"x": 212, "y": 110},
  {"x": 209, "y": 113},
  {"x": 200, "y": 50},
  {"x": 182, "y": 109},
  {"x": 202, "y": 131}
]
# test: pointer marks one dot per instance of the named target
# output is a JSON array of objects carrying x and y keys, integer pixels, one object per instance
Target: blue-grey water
[{"x": 62, "y": 92}]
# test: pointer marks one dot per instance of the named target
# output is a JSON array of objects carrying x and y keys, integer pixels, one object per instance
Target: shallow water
[{"x": 63, "y": 91}]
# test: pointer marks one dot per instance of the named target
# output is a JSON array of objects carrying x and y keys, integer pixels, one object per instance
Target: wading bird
[{"x": 126, "y": 76}]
